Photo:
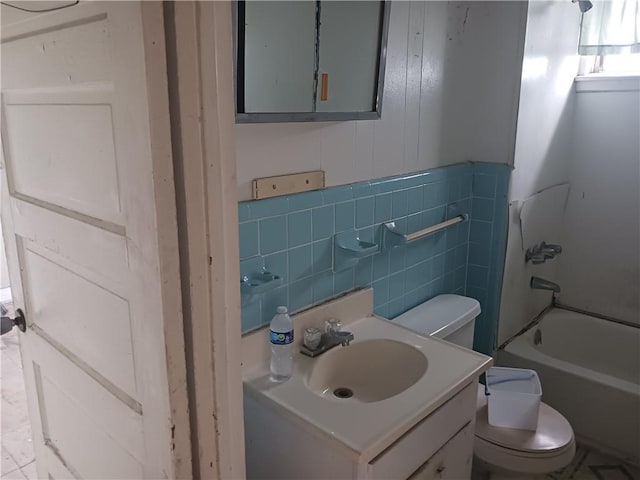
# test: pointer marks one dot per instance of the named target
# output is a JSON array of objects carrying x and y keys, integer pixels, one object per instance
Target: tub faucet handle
[
  {"x": 551, "y": 247},
  {"x": 541, "y": 253},
  {"x": 538, "y": 259},
  {"x": 532, "y": 253}
]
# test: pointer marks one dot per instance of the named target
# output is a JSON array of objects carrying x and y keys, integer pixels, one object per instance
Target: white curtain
[{"x": 610, "y": 27}]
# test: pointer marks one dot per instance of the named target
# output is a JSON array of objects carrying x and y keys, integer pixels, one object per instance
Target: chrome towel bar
[{"x": 401, "y": 238}]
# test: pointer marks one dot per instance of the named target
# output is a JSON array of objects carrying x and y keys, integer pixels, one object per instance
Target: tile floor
[
  {"x": 17, "y": 461},
  {"x": 591, "y": 465}
]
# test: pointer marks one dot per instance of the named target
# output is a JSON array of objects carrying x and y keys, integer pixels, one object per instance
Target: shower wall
[
  {"x": 599, "y": 269},
  {"x": 542, "y": 153},
  {"x": 581, "y": 133}
]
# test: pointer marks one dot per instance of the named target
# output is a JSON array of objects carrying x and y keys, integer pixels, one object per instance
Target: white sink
[
  {"x": 368, "y": 371},
  {"x": 397, "y": 378}
]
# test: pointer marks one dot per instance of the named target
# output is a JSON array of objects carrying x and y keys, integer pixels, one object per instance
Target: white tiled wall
[
  {"x": 543, "y": 147},
  {"x": 451, "y": 87}
]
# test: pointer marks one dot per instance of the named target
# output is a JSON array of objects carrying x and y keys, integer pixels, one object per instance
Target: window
[
  {"x": 614, "y": 64},
  {"x": 610, "y": 38}
]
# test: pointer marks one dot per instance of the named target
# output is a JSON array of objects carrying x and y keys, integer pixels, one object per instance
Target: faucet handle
[
  {"x": 531, "y": 253},
  {"x": 548, "y": 253},
  {"x": 311, "y": 338},
  {"x": 556, "y": 249},
  {"x": 539, "y": 258},
  {"x": 333, "y": 325}
]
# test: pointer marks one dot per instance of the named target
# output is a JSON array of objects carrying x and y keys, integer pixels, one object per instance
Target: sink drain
[{"x": 343, "y": 392}]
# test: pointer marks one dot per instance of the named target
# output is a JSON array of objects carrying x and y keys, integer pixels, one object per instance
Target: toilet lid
[{"x": 554, "y": 431}]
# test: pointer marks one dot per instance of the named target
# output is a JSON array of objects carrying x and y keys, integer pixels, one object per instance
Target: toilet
[{"x": 499, "y": 453}]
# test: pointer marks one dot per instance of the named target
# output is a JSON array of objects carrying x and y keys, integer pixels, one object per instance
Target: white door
[{"x": 90, "y": 225}]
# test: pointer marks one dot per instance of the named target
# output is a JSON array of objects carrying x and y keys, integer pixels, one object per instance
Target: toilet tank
[{"x": 450, "y": 317}]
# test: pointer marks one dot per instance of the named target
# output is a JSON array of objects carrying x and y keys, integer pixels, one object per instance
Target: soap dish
[
  {"x": 349, "y": 249},
  {"x": 260, "y": 282}
]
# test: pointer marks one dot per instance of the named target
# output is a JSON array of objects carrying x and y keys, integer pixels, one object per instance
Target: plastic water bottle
[{"x": 281, "y": 346}]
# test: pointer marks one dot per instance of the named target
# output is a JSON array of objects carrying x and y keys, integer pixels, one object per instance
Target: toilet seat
[
  {"x": 549, "y": 448},
  {"x": 503, "y": 459}
]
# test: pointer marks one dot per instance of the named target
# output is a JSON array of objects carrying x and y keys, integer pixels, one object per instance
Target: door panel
[
  {"x": 77, "y": 52},
  {"x": 70, "y": 444},
  {"x": 87, "y": 319},
  {"x": 89, "y": 210},
  {"x": 78, "y": 173},
  {"x": 68, "y": 403},
  {"x": 48, "y": 233},
  {"x": 119, "y": 420}
]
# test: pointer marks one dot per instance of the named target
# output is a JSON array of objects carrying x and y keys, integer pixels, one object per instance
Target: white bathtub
[{"x": 590, "y": 372}]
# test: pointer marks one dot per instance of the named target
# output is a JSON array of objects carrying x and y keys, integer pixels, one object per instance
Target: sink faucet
[
  {"x": 538, "y": 283},
  {"x": 316, "y": 343}
]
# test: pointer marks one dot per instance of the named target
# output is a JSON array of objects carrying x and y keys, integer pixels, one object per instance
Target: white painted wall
[
  {"x": 599, "y": 269},
  {"x": 451, "y": 90},
  {"x": 482, "y": 80},
  {"x": 543, "y": 148}
]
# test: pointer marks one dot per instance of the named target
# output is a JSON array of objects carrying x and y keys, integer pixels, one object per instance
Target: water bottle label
[{"x": 281, "y": 338}]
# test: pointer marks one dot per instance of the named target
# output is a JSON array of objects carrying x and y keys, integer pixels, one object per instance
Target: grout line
[
  {"x": 13, "y": 459},
  {"x": 17, "y": 468},
  {"x": 16, "y": 462},
  {"x": 4, "y": 475},
  {"x": 27, "y": 464}
]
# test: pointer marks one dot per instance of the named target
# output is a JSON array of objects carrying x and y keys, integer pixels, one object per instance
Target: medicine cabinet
[{"x": 299, "y": 61}]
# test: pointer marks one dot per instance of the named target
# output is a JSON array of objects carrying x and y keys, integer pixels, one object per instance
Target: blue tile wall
[
  {"x": 292, "y": 236},
  {"x": 487, "y": 248}
]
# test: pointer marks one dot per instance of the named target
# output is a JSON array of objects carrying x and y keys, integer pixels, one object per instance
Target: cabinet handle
[
  {"x": 324, "y": 91},
  {"x": 440, "y": 469}
]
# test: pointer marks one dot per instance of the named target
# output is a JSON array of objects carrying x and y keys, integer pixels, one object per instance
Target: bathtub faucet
[
  {"x": 541, "y": 253},
  {"x": 538, "y": 283}
]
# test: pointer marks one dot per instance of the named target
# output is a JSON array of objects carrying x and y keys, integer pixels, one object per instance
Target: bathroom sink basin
[{"x": 368, "y": 371}]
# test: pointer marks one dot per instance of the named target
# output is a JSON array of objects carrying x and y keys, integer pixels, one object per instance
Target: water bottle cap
[{"x": 282, "y": 310}]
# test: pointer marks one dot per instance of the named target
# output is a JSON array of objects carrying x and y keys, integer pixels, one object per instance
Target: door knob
[{"x": 7, "y": 323}]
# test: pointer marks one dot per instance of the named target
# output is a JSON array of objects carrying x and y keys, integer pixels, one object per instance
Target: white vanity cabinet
[
  {"x": 281, "y": 446},
  {"x": 453, "y": 461}
]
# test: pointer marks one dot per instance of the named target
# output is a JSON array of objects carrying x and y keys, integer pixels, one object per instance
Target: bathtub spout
[{"x": 538, "y": 283}]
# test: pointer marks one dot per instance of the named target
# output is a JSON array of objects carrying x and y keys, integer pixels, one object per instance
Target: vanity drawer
[
  {"x": 451, "y": 462},
  {"x": 411, "y": 451}
]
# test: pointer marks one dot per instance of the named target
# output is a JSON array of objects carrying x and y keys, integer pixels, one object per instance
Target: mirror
[{"x": 310, "y": 60}]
